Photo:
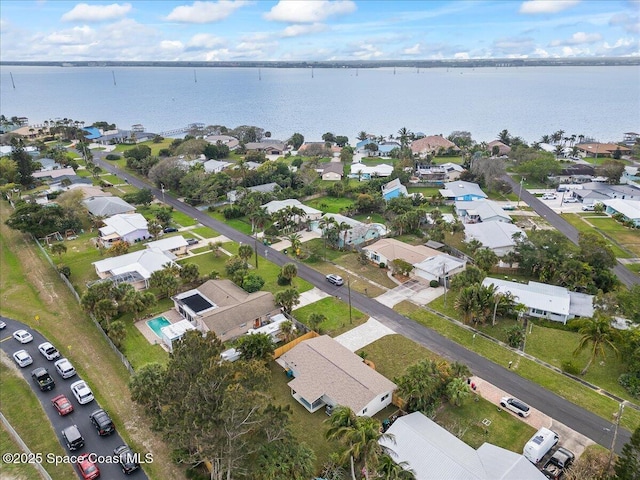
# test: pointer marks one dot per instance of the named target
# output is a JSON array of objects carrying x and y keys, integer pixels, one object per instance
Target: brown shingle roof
[
  {"x": 325, "y": 367},
  {"x": 333, "y": 167},
  {"x": 432, "y": 144},
  {"x": 394, "y": 249}
]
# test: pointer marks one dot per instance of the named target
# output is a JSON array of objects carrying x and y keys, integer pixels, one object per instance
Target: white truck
[{"x": 543, "y": 441}]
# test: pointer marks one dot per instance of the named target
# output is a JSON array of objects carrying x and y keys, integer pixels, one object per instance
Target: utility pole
[
  {"x": 520, "y": 191},
  {"x": 615, "y": 434},
  {"x": 349, "y": 293},
  {"x": 255, "y": 247}
]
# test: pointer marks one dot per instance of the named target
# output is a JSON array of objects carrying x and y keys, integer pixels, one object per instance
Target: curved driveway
[
  {"x": 80, "y": 416},
  {"x": 592, "y": 426}
]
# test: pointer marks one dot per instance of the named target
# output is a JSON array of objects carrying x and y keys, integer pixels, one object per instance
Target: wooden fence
[{"x": 278, "y": 352}]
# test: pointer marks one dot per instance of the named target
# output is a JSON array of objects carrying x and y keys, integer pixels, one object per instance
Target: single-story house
[
  {"x": 224, "y": 308},
  {"x": 357, "y": 233},
  {"x": 630, "y": 138},
  {"x": 439, "y": 267},
  {"x": 481, "y": 211},
  {"x": 503, "y": 149},
  {"x": 496, "y": 236},
  {"x": 594, "y": 192},
  {"x": 333, "y": 171},
  {"x": 333, "y": 150},
  {"x": 385, "y": 148},
  {"x": 233, "y": 195},
  {"x": 227, "y": 140},
  {"x": 394, "y": 189},
  {"x": 89, "y": 191},
  {"x": 630, "y": 209},
  {"x": 268, "y": 148},
  {"x": 630, "y": 174},
  {"x": 277, "y": 205},
  {"x": 177, "y": 245},
  {"x": 363, "y": 172},
  {"x": 435, "y": 454},
  {"x": 135, "y": 267},
  {"x": 215, "y": 166},
  {"x": 386, "y": 250},
  {"x": 327, "y": 373},
  {"x": 103, "y": 206},
  {"x": 546, "y": 301},
  {"x": 53, "y": 174},
  {"x": 462, "y": 191},
  {"x": 433, "y": 145},
  {"x": 596, "y": 149},
  {"x": 128, "y": 227}
]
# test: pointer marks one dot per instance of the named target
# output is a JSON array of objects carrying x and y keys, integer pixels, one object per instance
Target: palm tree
[
  {"x": 466, "y": 303},
  {"x": 390, "y": 470},
  {"x": 289, "y": 271},
  {"x": 457, "y": 391},
  {"x": 245, "y": 252},
  {"x": 295, "y": 240},
  {"x": 315, "y": 319},
  {"x": 404, "y": 136},
  {"x": 362, "y": 135},
  {"x": 598, "y": 332},
  {"x": 325, "y": 224},
  {"x": 287, "y": 329},
  {"x": 505, "y": 137},
  {"x": 344, "y": 227}
]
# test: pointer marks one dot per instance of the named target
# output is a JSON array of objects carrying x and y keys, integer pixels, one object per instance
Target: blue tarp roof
[{"x": 93, "y": 133}]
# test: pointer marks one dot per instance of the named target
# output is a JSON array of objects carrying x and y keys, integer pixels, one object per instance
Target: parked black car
[
  {"x": 170, "y": 230},
  {"x": 73, "y": 438},
  {"x": 128, "y": 459},
  {"x": 102, "y": 421}
]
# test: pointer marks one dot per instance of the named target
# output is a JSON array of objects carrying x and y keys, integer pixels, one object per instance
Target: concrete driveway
[
  {"x": 412, "y": 290},
  {"x": 311, "y": 296},
  {"x": 304, "y": 237},
  {"x": 363, "y": 335}
]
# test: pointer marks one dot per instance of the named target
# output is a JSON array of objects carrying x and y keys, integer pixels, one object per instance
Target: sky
[{"x": 316, "y": 30}]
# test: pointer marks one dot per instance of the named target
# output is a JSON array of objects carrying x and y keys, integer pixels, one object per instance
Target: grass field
[
  {"x": 336, "y": 312},
  {"x": 563, "y": 386},
  {"x": 205, "y": 232},
  {"x": 618, "y": 235},
  {"x": 241, "y": 224},
  {"x": 330, "y": 204}
]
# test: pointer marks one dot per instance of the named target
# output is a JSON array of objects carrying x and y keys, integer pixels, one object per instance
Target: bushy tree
[
  {"x": 258, "y": 346},
  {"x": 252, "y": 282}
]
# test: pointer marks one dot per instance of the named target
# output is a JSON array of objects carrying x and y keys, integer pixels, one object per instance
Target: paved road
[
  {"x": 80, "y": 416},
  {"x": 576, "y": 418},
  {"x": 625, "y": 275}
]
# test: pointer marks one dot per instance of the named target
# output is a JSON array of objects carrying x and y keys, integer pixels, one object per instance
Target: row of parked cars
[
  {"x": 539, "y": 446},
  {"x": 71, "y": 434}
]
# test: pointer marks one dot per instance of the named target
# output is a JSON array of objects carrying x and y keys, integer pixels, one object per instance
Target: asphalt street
[
  {"x": 594, "y": 427},
  {"x": 625, "y": 275},
  {"x": 102, "y": 446}
]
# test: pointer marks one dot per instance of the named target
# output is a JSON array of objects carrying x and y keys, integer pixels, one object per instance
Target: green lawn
[
  {"x": 337, "y": 313},
  {"x": 370, "y": 218},
  {"x": 205, "y": 232},
  {"x": 14, "y": 470},
  {"x": 563, "y": 386},
  {"x": 30, "y": 421},
  {"x": 241, "y": 224},
  {"x": 370, "y": 271},
  {"x": 428, "y": 192},
  {"x": 112, "y": 179},
  {"x": 330, "y": 204},
  {"x": 183, "y": 219},
  {"x": 618, "y": 235}
]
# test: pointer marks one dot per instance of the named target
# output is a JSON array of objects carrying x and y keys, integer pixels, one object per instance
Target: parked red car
[
  {"x": 62, "y": 405},
  {"x": 88, "y": 469}
]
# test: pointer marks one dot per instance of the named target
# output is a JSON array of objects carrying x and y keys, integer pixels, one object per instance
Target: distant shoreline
[{"x": 477, "y": 63}]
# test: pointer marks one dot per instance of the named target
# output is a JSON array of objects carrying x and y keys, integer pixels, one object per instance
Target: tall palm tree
[
  {"x": 296, "y": 241},
  {"x": 344, "y": 227},
  {"x": 457, "y": 391},
  {"x": 597, "y": 334},
  {"x": 466, "y": 303},
  {"x": 404, "y": 134},
  {"x": 289, "y": 271},
  {"x": 245, "y": 252},
  {"x": 390, "y": 470}
]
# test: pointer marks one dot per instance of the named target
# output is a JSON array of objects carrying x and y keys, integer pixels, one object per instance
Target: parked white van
[{"x": 536, "y": 448}]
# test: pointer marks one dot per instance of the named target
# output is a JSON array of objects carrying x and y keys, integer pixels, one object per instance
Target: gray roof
[
  {"x": 487, "y": 210},
  {"x": 325, "y": 367},
  {"x": 333, "y": 167},
  {"x": 492, "y": 234},
  {"x": 107, "y": 206},
  {"x": 435, "y": 454},
  {"x": 460, "y": 188}
]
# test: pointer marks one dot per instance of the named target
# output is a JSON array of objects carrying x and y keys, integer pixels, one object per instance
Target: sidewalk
[{"x": 569, "y": 438}]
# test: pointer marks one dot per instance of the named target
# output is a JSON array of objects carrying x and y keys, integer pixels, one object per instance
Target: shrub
[
  {"x": 631, "y": 383},
  {"x": 515, "y": 335},
  {"x": 252, "y": 283},
  {"x": 64, "y": 270},
  {"x": 112, "y": 156},
  {"x": 283, "y": 281},
  {"x": 434, "y": 284},
  {"x": 232, "y": 212},
  {"x": 568, "y": 367},
  {"x": 382, "y": 265}
]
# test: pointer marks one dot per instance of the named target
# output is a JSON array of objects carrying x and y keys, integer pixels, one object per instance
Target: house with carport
[
  {"x": 222, "y": 307},
  {"x": 546, "y": 301},
  {"x": 126, "y": 227},
  {"x": 496, "y": 236},
  {"x": 432, "y": 453},
  {"x": 462, "y": 191},
  {"x": 327, "y": 373},
  {"x": 439, "y": 268}
]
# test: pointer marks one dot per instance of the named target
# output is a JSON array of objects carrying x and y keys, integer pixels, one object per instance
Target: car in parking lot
[
  {"x": 571, "y": 200},
  {"x": 127, "y": 459},
  {"x": 82, "y": 392},
  {"x": 335, "y": 279},
  {"x": 62, "y": 405},
  {"x": 192, "y": 241},
  {"x": 22, "y": 358},
  {"x": 48, "y": 351},
  {"x": 102, "y": 421},
  {"x": 73, "y": 438},
  {"x": 589, "y": 208},
  {"x": 65, "y": 368},
  {"x": 549, "y": 196},
  {"x": 516, "y": 406},
  {"x": 87, "y": 467},
  {"x": 22, "y": 336},
  {"x": 43, "y": 379},
  {"x": 2, "y": 325}
]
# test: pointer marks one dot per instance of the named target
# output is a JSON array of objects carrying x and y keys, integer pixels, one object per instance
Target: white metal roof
[
  {"x": 548, "y": 298},
  {"x": 460, "y": 188},
  {"x": 440, "y": 265},
  {"x": 106, "y": 206},
  {"x": 277, "y": 205},
  {"x": 145, "y": 262},
  {"x": 629, "y": 208},
  {"x": 485, "y": 209},
  {"x": 123, "y": 224},
  {"x": 492, "y": 234},
  {"x": 176, "y": 330},
  {"x": 168, "y": 244}
]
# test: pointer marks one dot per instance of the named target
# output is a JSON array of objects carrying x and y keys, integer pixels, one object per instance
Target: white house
[
  {"x": 128, "y": 227},
  {"x": 174, "y": 332},
  {"x": 481, "y": 211},
  {"x": 177, "y": 245},
  {"x": 215, "y": 166},
  {"x": 360, "y": 170},
  {"x": 327, "y": 373},
  {"x": 135, "y": 267},
  {"x": 546, "y": 301},
  {"x": 435, "y": 454},
  {"x": 439, "y": 267},
  {"x": 386, "y": 250},
  {"x": 277, "y": 205},
  {"x": 106, "y": 206},
  {"x": 496, "y": 236},
  {"x": 629, "y": 209}
]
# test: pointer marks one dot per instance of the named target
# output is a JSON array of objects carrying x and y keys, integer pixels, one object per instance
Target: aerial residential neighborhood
[{"x": 247, "y": 268}]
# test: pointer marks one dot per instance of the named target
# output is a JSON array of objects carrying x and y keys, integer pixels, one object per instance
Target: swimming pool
[{"x": 156, "y": 325}]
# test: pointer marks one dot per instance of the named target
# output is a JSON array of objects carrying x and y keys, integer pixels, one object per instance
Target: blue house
[
  {"x": 394, "y": 189},
  {"x": 357, "y": 232},
  {"x": 462, "y": 191}
]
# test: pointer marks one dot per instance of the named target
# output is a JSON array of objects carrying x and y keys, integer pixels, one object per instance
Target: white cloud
[
  {"x": 461, "y": 56},
  {"x": 539, "y": 52},
  {"x": 297, "y": 30},
  {"x": 171, "y": 45},
  {"x": 623, "y": 47},
  {"x": 578, "y": 38},
  {"x": 74, "y": 36},
  {"x": 205, "y": 12},
  {"x": 629, "y": 23},
  {"x": 366, "y": 51},
  {"x": 415, "y": 50},
  {"x": 205, "y": 41},
  {"x": 546, "y": 6},
  {"x": 83, "y": 12},
  {"x": 308, "y": 11},
  {"x": 569, "y": 51}
]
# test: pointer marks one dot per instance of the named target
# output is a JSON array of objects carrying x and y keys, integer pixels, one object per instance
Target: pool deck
[{"x": 141, "y": 325}]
